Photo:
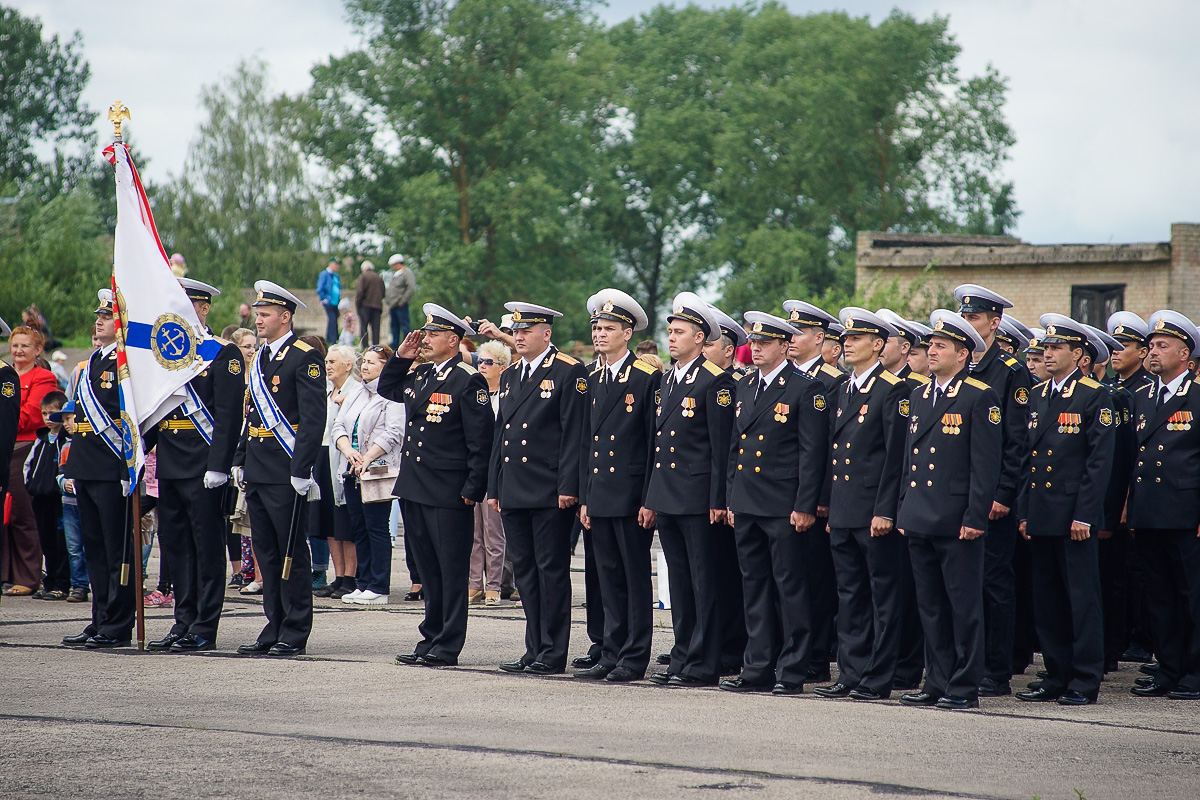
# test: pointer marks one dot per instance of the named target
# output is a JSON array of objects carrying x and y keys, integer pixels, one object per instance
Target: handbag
[{"x": 377, "y": 483}]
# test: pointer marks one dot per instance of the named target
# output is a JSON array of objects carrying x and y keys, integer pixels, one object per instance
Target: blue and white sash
[
  {"x": 97, "y": 417},
  {"x": 272, "y": 418},
  {"x": 198, "y": 413}
]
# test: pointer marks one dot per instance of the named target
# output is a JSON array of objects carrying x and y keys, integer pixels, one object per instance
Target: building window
[{"x": 1095, "y": 304}]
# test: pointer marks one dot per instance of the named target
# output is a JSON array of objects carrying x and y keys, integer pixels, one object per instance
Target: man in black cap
[
  {"x": 196, "y": 443},
  {"x": 278, "y": 450},
  {"x": 866, "y": 454},
  {"x": 776, "y": 462},
  {"x": 615, "y": 465},
  {"x": 1122, "y": 575},
  {"x": 687, "y": 488},
  {"x": 534, "y": 481},
  {"x": 983, "y": 308},
  {"x": 951, "y": 472},
  {"x": 1071, "y": 436},
  {"x": 1164, "y": 506},
  {"x": 447, "y": 447},
  {"x": 97, "y": 465}
]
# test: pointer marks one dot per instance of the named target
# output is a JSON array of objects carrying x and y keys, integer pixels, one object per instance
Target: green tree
[
  {"x": 243, "y": 208},
  {"x": 464, "y": 133}
]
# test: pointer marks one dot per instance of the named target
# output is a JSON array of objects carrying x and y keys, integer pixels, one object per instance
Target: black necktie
[
  {"x": 937, "y": 396},
  {"x": 525, "y": 372},
  {"x": 762, "y": 387},
  {"x": 1163, "y": 396}
]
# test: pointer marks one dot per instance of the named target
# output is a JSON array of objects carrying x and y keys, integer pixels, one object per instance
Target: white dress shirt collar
[{"x": 681, "y": 370}]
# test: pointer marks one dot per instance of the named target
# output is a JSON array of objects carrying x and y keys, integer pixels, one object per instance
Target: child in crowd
[
  {"x": 76, "y": 558},
  {"x": 41, "y": 481}
]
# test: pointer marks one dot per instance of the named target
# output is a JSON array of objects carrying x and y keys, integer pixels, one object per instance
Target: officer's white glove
[
  {"x": 301, "y": 485},
  {"x": 214, "y": 479},
  {"x": 125, "y": 488},
  {"x": 239, "y": 477}
]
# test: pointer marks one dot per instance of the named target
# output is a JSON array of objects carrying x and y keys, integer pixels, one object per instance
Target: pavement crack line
[{"x": 873, "y": 786}]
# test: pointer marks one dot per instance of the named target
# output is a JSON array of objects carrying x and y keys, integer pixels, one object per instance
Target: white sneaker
[
  {"x": 369, "y": 598},
  {"x": 349, "y": 599}
]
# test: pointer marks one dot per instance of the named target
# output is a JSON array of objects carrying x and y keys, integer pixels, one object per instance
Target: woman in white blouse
[
  {"x": 333, "y": 520},
  {"x": 369, "y": 431}
]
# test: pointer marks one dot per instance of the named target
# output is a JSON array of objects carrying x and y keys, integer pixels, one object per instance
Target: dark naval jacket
[
  {"x": 182, "y": 450},
  {"x": 1165, "y": 490},
  {"x": 1012, "y": 382},
  {"x": 91, "y": 459}
]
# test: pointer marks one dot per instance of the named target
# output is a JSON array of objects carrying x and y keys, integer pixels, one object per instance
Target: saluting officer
[
  {"x": 447, "y": 446},
  {"x": 615, "y": 462},
  {"x": 953, "y": 455},
  {"x": 534, "y": 481},
  {"x": 10, "y": 413},
  {"x": 1164, "y": 505},
  {"x": 866, "y": 455},
  {"x": 1122, "y": 579},
  {"x": 196, "y": 443},
  {"x": 97, "y": 465},
  {"x": 812, "y": 327},
  {"x": 277, "y": 453},
  {"x": 1072, "y": 432},
  {"x": 984, "y": 308},
  {"x": 687, "y": 488},
  {"x": 776, "y": 465}
]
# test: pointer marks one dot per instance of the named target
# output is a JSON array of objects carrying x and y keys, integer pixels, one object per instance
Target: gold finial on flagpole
[{"x": 118, "y": 112}]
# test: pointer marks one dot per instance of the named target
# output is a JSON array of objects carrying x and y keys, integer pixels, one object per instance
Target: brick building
[{"x": 1086, "y": 281}]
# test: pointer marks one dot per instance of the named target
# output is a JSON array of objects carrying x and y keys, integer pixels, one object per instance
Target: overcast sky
[{"x": 1102, "y": 96}]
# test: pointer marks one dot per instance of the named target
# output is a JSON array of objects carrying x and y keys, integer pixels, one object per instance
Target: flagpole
[{"x": 118, "y": 112}]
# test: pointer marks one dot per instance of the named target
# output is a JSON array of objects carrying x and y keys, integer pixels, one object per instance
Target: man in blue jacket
[{"x": 329, "y": 290}]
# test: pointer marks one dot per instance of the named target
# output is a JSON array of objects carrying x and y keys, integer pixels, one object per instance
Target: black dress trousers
[
  {"x": 105, "y": 517},
  {"x": 1172, "y": 563},
  {"x": 869, "y": 606},
  {"x": 191, "y": 532},
  {"x": 287, "y": 604},
  {"x": 823, "y": 597},
  {"x": 731, "y": 605},
  {"x": 691, "y": 555},
  {"x": 999, "y": 597},
  {"x": 441, "y": 540},
  {"x": 539, "y": 541},
  {"x": 622, "y": 550},
  {"x": 594, "y": 612},
  {"x": 948, "y": 573},
  {"x": 1070, "y": 621}
]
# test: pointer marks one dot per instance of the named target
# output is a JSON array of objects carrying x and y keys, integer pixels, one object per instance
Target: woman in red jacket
[{"x": 20, "y": 552}]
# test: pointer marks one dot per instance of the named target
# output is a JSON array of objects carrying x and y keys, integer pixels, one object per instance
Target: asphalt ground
[{"x": 346, "y": 721}]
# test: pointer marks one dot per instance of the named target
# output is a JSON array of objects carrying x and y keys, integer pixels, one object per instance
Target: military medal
[
  {"x": 952, "y": 424},
  {"x": 547, "y": 386},
  {"x": 275, "y": 384},
  {"x": 106, "y": 379},
  {"x": 781, "y": 412},
  {"x": 862, "y": 413},
  {"x": 1070, "y": 423},
  {"x": 1180, "y": 421},
  {"x": 629, "y": 402},
  {"x": 439, "y": 403},
  {"x": 689, "y": 406}
]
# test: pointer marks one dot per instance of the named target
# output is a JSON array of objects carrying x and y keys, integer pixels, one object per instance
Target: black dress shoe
[
  {"x": 1034, "y": 685},
  {"x": 542, "y": 668},
  {"x": 957, "y": 703},
  {"x": 192, "y": 643},
  {"x": 624, "y": 675},
  {"x": 413, "y": 596},
  {"x": 255, "y": 648},
  {"x": 919, "y": 699},
  {"x": 818, "y": 675},
  {"x": 512, "y": 666},
  {"x": 1154, "y": 689},
  {"x": 1150, "y": 668},
  {"x": 584, "y": 662},
  {"x": 430, "y": 660},
  {"x": 408, "y": 658},
  {"x": 165, "y": 642},
  {"x": 834, "y": 690},
  {"x": 102, "y": 642},
  {"x": 743, "y": 685},
  {"x": 595, "y": 673},
  {"x": 1041, "y": 673},
  {"x": 660, "y": 678},
  {"x": 1072, "y": 697},
  {"x": 863, "y": 693},
  {"x": 1137, "y": 654},
  {"x": 989, "y": 687},
  {"x": 1039, "y": 695},
  {"x": 285, "y": 650},
  {"x": 787, "y": 687},
  {"x": 76, "y": 639},
  {"x": 1183, "y": 693},
  {"x": 662, "y": 658},
  {"x": 1145, "y": 680},
  {"x": 689, "y": 681}
]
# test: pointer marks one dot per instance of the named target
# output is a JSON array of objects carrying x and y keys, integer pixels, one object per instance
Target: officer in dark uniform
[
  {"x": 534, "y": 481},
  {"x": 1122, "y": 577},
  {"x": 615, "y": 463},
  {"x": 97, "y": 465},
  {"x": 276, "y": 456},
  {"x": 812, "y": 326},
  {"x": 866, "y": 454},
  {"x": 194, "y": 462},
  {"x": 831, "y": 348},
  {"x": 1164, "y": 505},
  {"x": 984, "y": 308},
  {"x": 896, "y": 355},
  {"x": 776, "y": 461},
  {"x": 687, "y": 488},
  {"x": 1012, "y": 335},
  {"x": 10, "y": 413},
  {"x": 918, "y": 354},
  {"x": 951, "y": 473},
  {"x": 731, "y": 604},
  {"x": 593, "y": 606},
  {"x": 1072, "y": 432},
  {"x": 1033, "y": 356},
  {"x": 447, "y": 446}
]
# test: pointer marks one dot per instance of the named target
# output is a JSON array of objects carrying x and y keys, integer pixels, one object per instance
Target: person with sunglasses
[{"x": 487, "y": 552}]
